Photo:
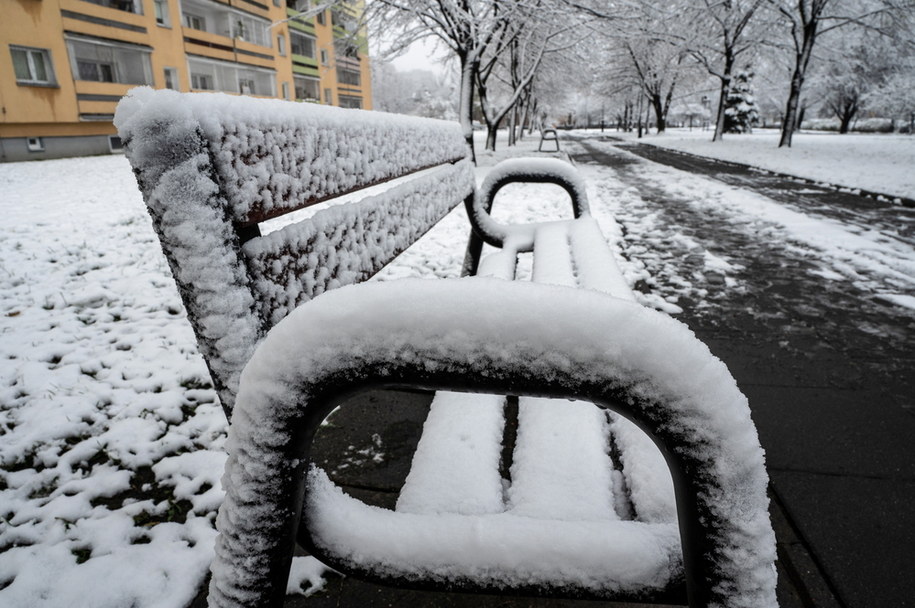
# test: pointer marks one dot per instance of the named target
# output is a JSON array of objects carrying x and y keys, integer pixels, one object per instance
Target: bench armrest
[
  {"x": 522, "y": 170},
  {"x": 475, "y": 335}
]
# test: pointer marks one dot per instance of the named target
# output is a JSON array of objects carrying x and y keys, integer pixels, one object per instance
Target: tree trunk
[
  {"x": 845, "y": 121},
  {"x": 465, "y": 107},
  {"x": 791, "y": 121},
  {"x": 659, "y": 113},
  {"x": 719, "y": 119},
  {"x": 845, "y": 111},
  {"x": 512, "y": 118},
  {"x": 525, "y": 111},
  {"x": 491, "y": 130}
]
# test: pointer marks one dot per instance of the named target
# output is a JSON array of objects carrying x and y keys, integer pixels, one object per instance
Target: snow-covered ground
[
  {"x": 111, "y": 440},
  {"x": 876, "y": 163}
]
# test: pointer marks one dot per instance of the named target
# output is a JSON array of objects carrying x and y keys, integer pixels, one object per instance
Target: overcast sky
[{"x": 422, "y": 55}]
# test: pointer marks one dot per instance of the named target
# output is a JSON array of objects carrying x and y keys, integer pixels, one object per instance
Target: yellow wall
[
  {"x": 39, "y": 25},
  {"x": 39, "y": 111}
]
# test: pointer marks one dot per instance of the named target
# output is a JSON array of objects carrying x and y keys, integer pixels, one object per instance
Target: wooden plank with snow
[{"x": 213, "y": 166}]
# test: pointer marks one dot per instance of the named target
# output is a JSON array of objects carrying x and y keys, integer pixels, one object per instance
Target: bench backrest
[{"x": 212, "y": 167}]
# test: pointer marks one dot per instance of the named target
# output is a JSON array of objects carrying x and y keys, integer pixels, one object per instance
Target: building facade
[{"x": 64, "y": 64}]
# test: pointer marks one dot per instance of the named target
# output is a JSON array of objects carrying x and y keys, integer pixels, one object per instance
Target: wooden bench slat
[
  {"x": 456, "y": 465},
  {"x": 349, "y": 243},
  {"x": 561, "y": 469},
  {"x": 595, "y": 265}
]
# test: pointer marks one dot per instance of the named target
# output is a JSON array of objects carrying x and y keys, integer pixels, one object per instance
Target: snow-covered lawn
[
  {"x": 111, "y": 440},
  {"x": 883, "y": 164}
]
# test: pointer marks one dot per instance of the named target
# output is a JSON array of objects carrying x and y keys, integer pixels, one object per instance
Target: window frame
[
  {"x": 316, "y": 81},
  {"x": 160, "y": 10},
  {"x": 292, "y": 45},
  {"x": 115, "y": 144},
  {"x": 190, "y": 18},
  {"x": 34, "y": 144},
  {"x": 171, "y": 74},
  {"x": 348, "y": 76},
  {"x": 48, "y": 66},
  {"x": 198, "y": 78},
  {"x": 350, "y": 101},
  {"x": 121, "y": 72}
]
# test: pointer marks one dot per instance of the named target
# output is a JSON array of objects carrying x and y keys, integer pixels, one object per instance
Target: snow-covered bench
[
  {"x": 581, "y": 516},
  {"x": 548, "y": 135}
]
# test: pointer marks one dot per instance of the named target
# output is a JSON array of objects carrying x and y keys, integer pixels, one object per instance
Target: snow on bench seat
[{"x": 561, "y": 466}]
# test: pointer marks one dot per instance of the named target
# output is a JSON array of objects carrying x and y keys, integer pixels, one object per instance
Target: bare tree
[
  {"x": 723, "y": 35},
  {"x": 808, "y": 20},
  {"x": 514, "y": 63},
  {"x": 469, "y": 28}
]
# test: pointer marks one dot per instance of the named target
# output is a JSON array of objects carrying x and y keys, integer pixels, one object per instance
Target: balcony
[
  {"x": 128, "y": 6},
  {"x": 222, "y": 20}
]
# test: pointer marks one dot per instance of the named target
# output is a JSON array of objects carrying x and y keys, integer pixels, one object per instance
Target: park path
[{"x": 829, "y": 370}]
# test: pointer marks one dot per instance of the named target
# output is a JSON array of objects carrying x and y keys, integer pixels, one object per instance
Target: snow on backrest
[
  {"x": 349, "y": 243},
  {"x": 273, "y": 156},
  {"x": 212, "y": 165}
]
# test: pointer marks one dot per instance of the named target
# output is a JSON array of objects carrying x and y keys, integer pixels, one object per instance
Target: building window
[
  {"x": 212, "y": 75},
  {"x": 107, "y": 62},
  {"x": 286, "y": 91},
  {"x": 162, "y": 12},
  {"x": 202, "y": 82},
  {"x": 249, "y": 29},
  {"x": 32, "y": 66},
  {"x": 131, "y": 6},
  {"x": 324, "y": 58},
  {"x": 34, "y": 144},
  {"x": 307, "y": 88},
  {"x": 350, "y": 101},
  {"x": 281, "y": 45},
  {"x": 348, "y": 76},
  {"x": 171, "y": 78},
  {"x": 320, "y": 18},
  {"x": 328, "y": 97},
  {"x": 195, "y": 22},
  {"x": 246, "y": 86},
  {"x": 302, "y": 44},
  {"x": 343, "y": 20},
  {"x": 115, "y": 144}
]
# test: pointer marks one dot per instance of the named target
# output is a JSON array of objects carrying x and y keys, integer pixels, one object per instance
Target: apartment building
[{"x": 64, "y": 64}]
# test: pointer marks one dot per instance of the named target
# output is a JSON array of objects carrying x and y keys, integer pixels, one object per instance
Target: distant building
[{"x": 64, "y": 64}]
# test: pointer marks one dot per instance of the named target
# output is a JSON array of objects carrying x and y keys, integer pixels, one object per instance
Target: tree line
[{"x": 519, "y": 60}]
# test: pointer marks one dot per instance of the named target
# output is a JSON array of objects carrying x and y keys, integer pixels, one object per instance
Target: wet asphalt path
[{"x": 830, "y": 374}]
